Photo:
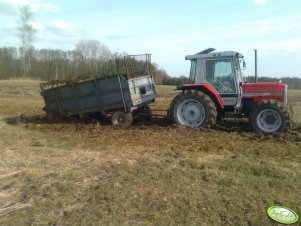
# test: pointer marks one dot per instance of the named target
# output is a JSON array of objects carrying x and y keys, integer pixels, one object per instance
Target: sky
[{"x": 169, "y": 29}]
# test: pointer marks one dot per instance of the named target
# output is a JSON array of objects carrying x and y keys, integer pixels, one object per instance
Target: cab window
[
  {"x": 192, "y": 72},
  {"x": 219, "y": 73}
]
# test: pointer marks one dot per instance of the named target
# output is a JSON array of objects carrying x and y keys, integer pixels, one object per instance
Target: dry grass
[{"x": 88, "y": 172}]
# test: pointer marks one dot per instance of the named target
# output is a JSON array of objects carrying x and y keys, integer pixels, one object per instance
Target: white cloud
[
  {"x": 58, "y": 34},
  {"x": 47, "y": 7},
  {"x": 62, "y": 25},
  {"x": 14, "y": 26},
  {"x": 38, "y": 26},
  {"x": 266, "y": 29},
  {"x": 270, "y": 36},
  {"x": 12, "y": 6},
  {"x": 11, "y": 26},
  {"x": 281, "y": 47},
  {"x": 260, "y": 2}
]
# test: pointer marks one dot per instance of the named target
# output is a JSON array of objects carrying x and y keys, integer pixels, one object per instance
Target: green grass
[
  {"x": 154, "y": 173},
  {"x": 166, "y": 91}
]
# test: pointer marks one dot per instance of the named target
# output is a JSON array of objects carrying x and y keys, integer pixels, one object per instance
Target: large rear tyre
[
  {"x": 270, "y": 116},
  {"x": 122, "y": 119},
  {"x": 193, "y": 109}
]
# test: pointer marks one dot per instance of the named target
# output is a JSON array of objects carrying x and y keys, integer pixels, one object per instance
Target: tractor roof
[{"x": 209, "y": 53}]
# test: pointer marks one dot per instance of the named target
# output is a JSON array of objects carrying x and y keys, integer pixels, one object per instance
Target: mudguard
[{"x": 207, "y": 89}]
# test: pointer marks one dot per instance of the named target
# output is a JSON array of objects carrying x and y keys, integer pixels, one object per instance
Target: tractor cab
[{"x": 222, "y": 70}]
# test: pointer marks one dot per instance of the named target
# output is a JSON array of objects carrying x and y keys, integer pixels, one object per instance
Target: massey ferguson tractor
[{"x": 217, "y": 89}]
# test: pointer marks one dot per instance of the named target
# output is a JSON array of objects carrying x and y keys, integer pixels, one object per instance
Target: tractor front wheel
[
  {"x": 193, "y": 109},
  {"x": 270, "y": 117}
]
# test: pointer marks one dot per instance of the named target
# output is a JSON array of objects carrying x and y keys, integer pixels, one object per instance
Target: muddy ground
[{"x": 85, "y": 171}]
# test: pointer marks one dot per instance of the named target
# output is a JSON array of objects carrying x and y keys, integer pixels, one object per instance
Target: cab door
[{"x": 220, "y": 74}]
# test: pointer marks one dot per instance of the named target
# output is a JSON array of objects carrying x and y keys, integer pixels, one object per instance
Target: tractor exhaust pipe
[{"x": 255, "y": 50}]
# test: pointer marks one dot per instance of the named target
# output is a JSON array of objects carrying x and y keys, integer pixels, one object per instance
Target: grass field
[{"x": 154, "y": 173}]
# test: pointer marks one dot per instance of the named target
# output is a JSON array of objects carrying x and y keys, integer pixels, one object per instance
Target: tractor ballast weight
[{"x": 217, "y": 89}]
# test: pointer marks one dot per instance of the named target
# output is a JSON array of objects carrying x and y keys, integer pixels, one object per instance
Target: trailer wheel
[
  {"x": 270, "y": 117},
  {"x": 193, "y": 109},
  {"x": 122, "y": 119}
]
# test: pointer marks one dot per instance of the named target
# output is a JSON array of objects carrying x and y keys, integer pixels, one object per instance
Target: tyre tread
[
  {"x": 283, "y": 110},
  {"x": 198, "y": 95}
]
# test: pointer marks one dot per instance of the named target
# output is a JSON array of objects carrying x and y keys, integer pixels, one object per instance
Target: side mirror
[{"x": 243, "y": 64}]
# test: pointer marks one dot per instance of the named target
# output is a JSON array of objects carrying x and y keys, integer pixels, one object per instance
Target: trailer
[{"x": 123, "y": 97}]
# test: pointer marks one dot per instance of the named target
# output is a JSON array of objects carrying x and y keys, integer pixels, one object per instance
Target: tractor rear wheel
[
  {"x": 122, "y": 119},
  {"x": 193, "y": 109},
  {"x": 270, "y": 116}
]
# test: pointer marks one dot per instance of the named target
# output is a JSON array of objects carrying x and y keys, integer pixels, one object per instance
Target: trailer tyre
[
  {"x": 193, "y": 109},
  {"x": 270, "y": 116},
  {"x": 122, "y": 119}
]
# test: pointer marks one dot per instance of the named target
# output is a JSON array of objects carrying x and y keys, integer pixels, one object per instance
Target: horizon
[{"x": 169, "y": 31}]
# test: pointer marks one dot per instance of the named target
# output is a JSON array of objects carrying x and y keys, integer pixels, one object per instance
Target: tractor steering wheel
[{"x": 220, "y": 86}]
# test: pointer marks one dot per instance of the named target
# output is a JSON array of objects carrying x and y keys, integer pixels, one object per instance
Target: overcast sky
[{"x": 169, "y": 29}]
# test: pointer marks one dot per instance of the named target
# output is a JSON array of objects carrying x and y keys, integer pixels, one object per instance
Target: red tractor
[{"x": 217, "y": 89}]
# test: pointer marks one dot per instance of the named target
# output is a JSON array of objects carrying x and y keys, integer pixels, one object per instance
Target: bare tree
[
  {"x": 92, "y": 55},
  {"x": 26, "y": 34},
  {"x": 9, "y": 63}
]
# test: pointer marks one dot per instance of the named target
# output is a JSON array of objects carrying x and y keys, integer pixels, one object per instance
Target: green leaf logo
[{"x": 282, "y": 214}]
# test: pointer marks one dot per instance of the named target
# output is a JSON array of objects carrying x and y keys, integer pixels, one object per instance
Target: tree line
[{"x": 89, "y": 59}]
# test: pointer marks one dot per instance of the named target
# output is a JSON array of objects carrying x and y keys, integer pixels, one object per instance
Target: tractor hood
[
  {"x": 265, "y": 90},
  {"x": 263, "y": 87}
]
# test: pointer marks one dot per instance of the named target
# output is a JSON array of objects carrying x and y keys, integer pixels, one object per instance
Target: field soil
[{"x": 85, "y": 171}]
